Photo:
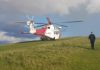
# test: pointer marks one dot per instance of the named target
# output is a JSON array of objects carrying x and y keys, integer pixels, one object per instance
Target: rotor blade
[
  {"x": 49, "y": 21},
  {"x": 28, "y": 17},
  {"x": 40, "y": 23},
  {"x": 21, "y": 22},
  {"x": 62, "y": 25},
  {"x": 56, "y": 24},
  {"x": 71, "y": 21}
]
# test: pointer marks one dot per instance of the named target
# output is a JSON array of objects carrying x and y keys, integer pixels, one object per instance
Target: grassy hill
[{"x": 65, "y": 54}]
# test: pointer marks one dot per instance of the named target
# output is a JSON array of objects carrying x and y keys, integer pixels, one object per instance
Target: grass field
[{"x": 66, "y": 54}]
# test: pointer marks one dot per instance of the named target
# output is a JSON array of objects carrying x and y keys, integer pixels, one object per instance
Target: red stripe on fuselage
[{"x": 40, "y": 32}]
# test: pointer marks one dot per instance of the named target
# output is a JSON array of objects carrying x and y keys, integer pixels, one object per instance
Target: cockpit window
[{"x": 56, "y": 32}]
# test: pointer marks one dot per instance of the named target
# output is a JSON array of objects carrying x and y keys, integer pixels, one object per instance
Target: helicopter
[{"x": 48, "y": 31}]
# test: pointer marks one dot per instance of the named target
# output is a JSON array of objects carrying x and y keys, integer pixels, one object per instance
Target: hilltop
[{"x": 66, "y": 54}]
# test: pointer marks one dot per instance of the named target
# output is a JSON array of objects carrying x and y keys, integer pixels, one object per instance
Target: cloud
[
  {"x": 11, "y": 39},
  {"x": 43, "y": 6},
  {"x": 93, "y": 6},
  {"x": 37, "y": 7}
]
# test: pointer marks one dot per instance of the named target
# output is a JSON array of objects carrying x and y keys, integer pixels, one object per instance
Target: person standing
[{"x": 92, "y": 40}]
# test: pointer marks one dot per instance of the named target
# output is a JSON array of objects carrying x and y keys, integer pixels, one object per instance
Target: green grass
[{"x": 65, "y": 54}]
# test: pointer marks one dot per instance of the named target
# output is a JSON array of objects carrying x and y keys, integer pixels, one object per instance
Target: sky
[{"x": 12, "y": 11}]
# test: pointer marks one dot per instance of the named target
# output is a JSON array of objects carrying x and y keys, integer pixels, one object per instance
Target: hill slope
[{"x": 66, "y": 54}]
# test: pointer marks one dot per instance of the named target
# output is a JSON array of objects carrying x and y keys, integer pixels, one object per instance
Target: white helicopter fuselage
[{"x": 49, "y": 32}]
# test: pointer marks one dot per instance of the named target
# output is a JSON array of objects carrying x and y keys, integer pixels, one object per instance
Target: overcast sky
[{"x": 58, "y": 10}]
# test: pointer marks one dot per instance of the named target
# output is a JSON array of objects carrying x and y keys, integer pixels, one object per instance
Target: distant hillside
[{"x": 66, "y": 54}]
